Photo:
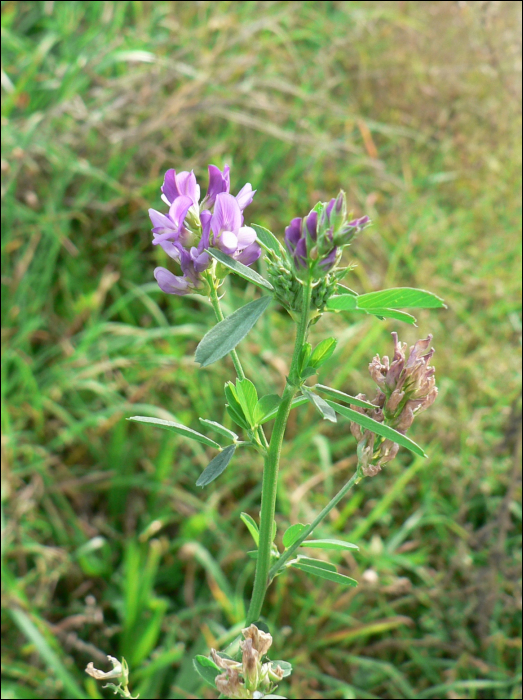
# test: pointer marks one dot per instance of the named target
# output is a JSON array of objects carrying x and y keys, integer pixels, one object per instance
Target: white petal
[{"x": 246, "y": 236}]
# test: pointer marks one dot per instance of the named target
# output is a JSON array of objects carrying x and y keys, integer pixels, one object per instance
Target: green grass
[{"x": 108, "y": 546}]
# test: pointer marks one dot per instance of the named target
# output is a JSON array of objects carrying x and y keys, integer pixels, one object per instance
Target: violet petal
[
  {"x": 218, "y": 182},
  {"x": 293, "y": 234},
  {"x": 172, "y": 249},
  {"x": 169, "y": 283},
  {"x": 249, "y": 254},
  {"x": 179, "y": 209},
  {"x": 312, "y": 224},
  {"x": 227, "y": 214},
  {"x": 246, "y": 236},
  {"x": 300, "y": 255},
  {"x": 169, "y": 187},
  {"x": 245, "y": 196},
  {"x": 228, "y": 242},
  {"x": 187, "y": 186},
  {"x": 329, "y": 260},
  {"x": 160, "y": 221}
]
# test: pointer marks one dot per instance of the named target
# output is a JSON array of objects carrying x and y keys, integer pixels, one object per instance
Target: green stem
[
  {"x": 334, "y": 502},
  {"x": 215, "y": 302},
  {"x": 272, "y": 463}
]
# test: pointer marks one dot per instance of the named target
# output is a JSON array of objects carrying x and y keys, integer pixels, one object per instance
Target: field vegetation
[{"x": 413, "y": 108}]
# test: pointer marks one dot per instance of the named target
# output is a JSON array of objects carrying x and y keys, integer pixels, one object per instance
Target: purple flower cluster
[
  {"x": 191, "y": 227},
  {"x": 314, "y": 242}
]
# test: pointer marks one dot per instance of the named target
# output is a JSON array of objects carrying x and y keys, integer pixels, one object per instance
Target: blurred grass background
[{"x": 108, "y": 547}]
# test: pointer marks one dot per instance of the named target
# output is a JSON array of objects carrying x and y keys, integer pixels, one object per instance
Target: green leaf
[
  {"x": 248, "y": 398},
  {"x": 292, "y": 533},
  {"x": 239, "y": 268},
  {"x": 305, "y": 354},
  {"x": 286, "y": 667},
  {"x": 308, "y": 372},
  {"x": 343, "y": 302},
  {"x": 219, "y": 428},
  {"x": 400, "y": 298},
  {"x": 328, "y": 544},
  {"x": 237, "y": 418},
  {"x": 390, "y": 313},
  {"x": 232, "y": 397},
  {"x": 266, "y": 405},
  {"x": 323, "y": 351},
  {"x": 206, "y": 669},
  {"x": 297, "y": 401},
  {"x": 329, "y": 575},
  {"x": 322, "y": 406},
  {"x": 318, "y": 563},
  {"x": 335, "y": 394},
  {"x": 226, "y": 335},
  {"x": 176, "y": 428},
  {"x": 253, "y": 554},
  {"x": 216, "y": 466},
  {"x": 267, "y": 239},
  {"x": 251, "y": 526},
  {"x": 378, "y": 428}
]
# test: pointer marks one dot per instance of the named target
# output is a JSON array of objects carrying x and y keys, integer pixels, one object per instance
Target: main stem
[{"x": 272, "y": 463}]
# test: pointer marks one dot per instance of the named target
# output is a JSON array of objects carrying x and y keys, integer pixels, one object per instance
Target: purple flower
[
  {"x": 217, "y": 220},
  {"x": 192, "y": 262},
  {"x": 218, "y": 182},
  {"x": 183, "y": 184},
  {"x": 245, "y": 196},
  {"x": 171, "y": 227},
  {"x": 301, "y": 237},
  {"x": 228, "y": 233},
  {"x": 295, "y": 243}
]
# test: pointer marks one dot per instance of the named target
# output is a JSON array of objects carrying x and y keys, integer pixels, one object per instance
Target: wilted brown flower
[
  {"x": 230, "y": 685},
  {"x": 406, "y": 387},
  {"x": 250, "y": 663},
  {"x": 261, "y": 641},
  {"x": 247, "y": 678}
]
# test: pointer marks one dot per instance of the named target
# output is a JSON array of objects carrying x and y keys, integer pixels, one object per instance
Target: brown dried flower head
[
  {"x": 247, "y": 678},
  {"x": 406, "y": 387}
]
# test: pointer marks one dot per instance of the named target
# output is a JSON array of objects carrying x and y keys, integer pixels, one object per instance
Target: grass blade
[{"x": 51, "y": 658}]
